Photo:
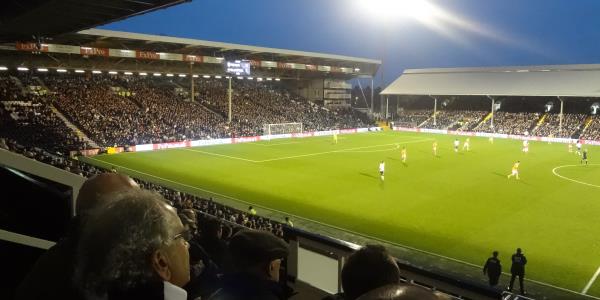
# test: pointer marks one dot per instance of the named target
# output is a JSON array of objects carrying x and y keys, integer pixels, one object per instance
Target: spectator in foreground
[
  {"x": 256, "y": 258},
  {"x": 493, "y": 269},
  {"x": 52, "y": 275},
  {"x": 367, "y": 269},
  {"x": 134, "y": 247}
]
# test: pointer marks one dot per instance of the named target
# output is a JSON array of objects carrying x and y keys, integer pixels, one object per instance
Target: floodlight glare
[
  {"x": 169, "y": 75},
  {"x": 79, "y": 71},
  {"x": 143, "y": 74},
  {"x": 96, "y": 72},
  {"x": 23, "y": 69},
  {"x": 112, "y": 72},
  {"x": 42, "y": 70},
  {"x": 3, "y": 68},
  {"x": 128, "y": 73},
  {"x": 420, "y": 10},
  {"x": 595, "y": 108},
  {"x": 182, "y": 75},
  {"x": 61, "y": 71}
]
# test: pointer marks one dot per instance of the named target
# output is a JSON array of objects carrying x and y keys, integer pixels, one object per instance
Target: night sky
[{"x": 477, "y": 33}]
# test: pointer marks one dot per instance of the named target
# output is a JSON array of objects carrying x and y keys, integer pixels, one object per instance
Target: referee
[{"x": 584, "y": 157}]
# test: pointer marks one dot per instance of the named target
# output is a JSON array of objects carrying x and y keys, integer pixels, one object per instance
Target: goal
[{"x": 282, "y": 128}]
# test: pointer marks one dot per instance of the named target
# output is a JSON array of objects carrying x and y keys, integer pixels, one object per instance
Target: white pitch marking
[
  {"x": 573, "y": 180},
  {"x": 341, "y": 150},
  {"x": 220, "y": 155},
  {"x": 587, "y": 287},
  {"x": 341, "y": 229},
  {"x": 273, "y": 144}
]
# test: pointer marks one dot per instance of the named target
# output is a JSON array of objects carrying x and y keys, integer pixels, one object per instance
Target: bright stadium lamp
[
  {"x": 127, "y": 73},
  {"x": 61, "y": 70},
  {"x": 22, "y": 69},
  {"x": 112, "y": 72},
  {"x": 3, "y": 68},
  {"x": 143, "y": 74},
  {"x": 79, "y": 71},
  {"x": 96, "y": 72},
  {"x": 170, "y": 75},
  {"x": 420, "y": 10},
  {"x": 42, "y": 70},
  {"x": 218, "y": 77},
  {"x": 595, "y": 108}
]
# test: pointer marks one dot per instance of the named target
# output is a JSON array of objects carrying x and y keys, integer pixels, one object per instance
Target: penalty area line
[{"x": 589, "y": 284}]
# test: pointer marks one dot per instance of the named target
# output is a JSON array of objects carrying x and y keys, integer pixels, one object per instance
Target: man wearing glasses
[{"x": 135, "y": 247}]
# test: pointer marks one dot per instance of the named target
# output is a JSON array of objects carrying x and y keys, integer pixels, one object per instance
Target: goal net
[{"x": 282, "y": 128}]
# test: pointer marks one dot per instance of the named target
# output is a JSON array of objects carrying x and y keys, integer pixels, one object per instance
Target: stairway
[
  {"x": 538, "y": 123},
  {"x": 487, "y": 117},
  {"x": 79, "y": 133}
]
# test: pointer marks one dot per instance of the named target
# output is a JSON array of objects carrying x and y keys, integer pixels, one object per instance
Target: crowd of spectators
[
  {"x": 592, "y": 132},
  {"x": 454, "y": 119},
  {"x": 571, "y": 125},
  {"x": 255, "y": 104},
  {"x": 510, "y": 123},
  {"x": 28, "y": 119},
  {"x": 150, "y": 111},
  {"x": 412, "y": 118}
]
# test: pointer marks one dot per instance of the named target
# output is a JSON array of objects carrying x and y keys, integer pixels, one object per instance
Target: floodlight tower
[
  {"x": 492, "y": 118},
  {"x": 560, "y": 116}
]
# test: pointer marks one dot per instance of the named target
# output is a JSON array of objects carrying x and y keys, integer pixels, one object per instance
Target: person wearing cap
[{"x": 256, "y": 258}]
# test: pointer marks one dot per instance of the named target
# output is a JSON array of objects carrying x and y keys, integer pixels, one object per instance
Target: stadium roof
[
  {"x": 146, "y": 42},
  {"x": 22, "y": 19},
  {"x": 557, "y": 80}
]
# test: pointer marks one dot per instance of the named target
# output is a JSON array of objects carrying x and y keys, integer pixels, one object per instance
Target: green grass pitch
[{"x": 460, "y": 205}]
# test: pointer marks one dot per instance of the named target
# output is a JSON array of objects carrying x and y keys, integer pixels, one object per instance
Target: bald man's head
[{"x": 97, "y": 187}]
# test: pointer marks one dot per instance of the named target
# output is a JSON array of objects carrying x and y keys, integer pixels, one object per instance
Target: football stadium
[{"x": 144, "y": 165}]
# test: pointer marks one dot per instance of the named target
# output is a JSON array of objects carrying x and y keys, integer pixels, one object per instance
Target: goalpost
[{"x": 282, "y": 128}]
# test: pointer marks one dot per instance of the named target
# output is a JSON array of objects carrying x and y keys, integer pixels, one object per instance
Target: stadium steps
[
  {"x": 79, "y": 133},
  {"x": 19, "y": 84},
  {"x": 588, "y": 121},
  {"x": 487, "y": 117},
  {"x": 538, "y": 123},
  {"x": 41, "y": 83}
]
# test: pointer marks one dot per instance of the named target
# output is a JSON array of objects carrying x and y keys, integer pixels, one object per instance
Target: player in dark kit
[
  {"x": 517, "y": 269},
  {"x": 584, "y": 157},
  {"x": 493, "y": 269}
]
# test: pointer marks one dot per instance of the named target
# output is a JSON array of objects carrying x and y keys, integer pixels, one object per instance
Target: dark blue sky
[{"x": 486, "y": 33}]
